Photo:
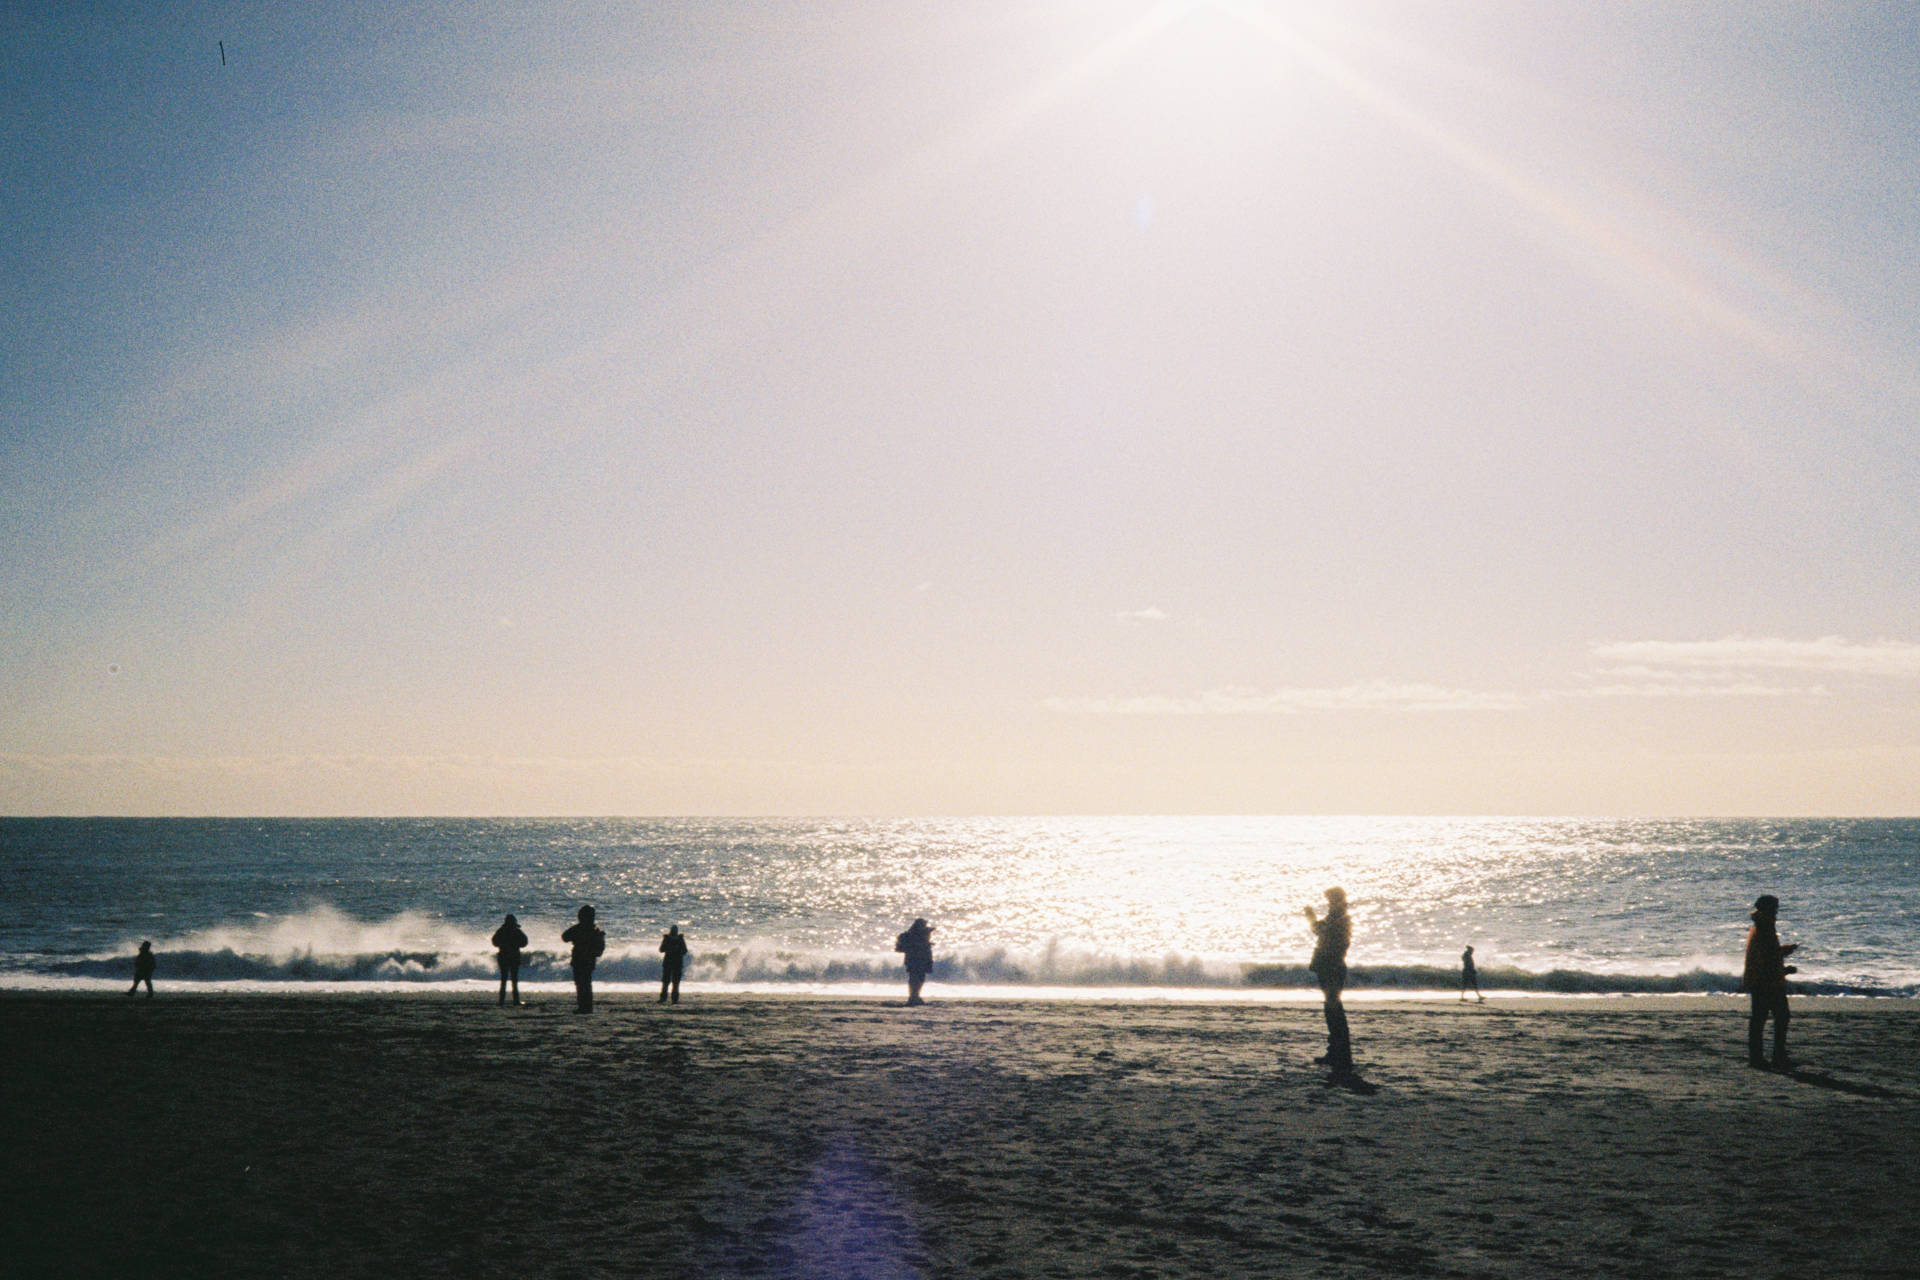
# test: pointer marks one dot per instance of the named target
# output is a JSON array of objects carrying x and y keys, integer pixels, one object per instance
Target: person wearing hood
[
  {"x": 509, "y": 940},
  {"x": 1764, "y": 978},
  {"x": 589, "y": 941},
  {"x": 916, "y": 946},
  {"x": 673, "y": 962},
  {"x": 1332, "y": 934}
]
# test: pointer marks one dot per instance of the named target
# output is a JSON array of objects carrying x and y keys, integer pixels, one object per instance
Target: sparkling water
[{"x": 1088, "y": 904}]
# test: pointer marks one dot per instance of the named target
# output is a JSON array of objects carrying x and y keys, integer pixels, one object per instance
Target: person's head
[
  {"x": 1336, "y": 899},
  {"x": 920, "y": 923},
  {"x": 145, "y": 945},
  {"x": 1468, "y": 951},
  {"x": 512, "y": 921},
  {"x": 1766, "y": 907},
  {"x": 586, "y": 914},
  {"x": 673, "y": 928}
]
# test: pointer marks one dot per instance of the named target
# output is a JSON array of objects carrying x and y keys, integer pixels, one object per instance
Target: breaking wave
[{"x": 323, "y": 945}]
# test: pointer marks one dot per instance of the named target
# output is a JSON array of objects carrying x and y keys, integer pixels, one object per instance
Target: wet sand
[{"x": 438, "y": 1135}]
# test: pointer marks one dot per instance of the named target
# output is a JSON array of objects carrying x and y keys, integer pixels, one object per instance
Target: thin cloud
[
  {"x": 1370, "y": 695},
  {"x": 1693, "y": 689},
  {"x": 349, "y": 763},
  {"x": 1898, "y": 659}
]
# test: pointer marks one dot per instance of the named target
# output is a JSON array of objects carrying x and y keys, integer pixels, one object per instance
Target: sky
[{"x": 923, "y": 408}]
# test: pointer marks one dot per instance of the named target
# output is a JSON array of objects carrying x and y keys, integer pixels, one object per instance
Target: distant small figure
[
  {"x": 1468, "y": 977},
  {"x": 1332, "y": 936},
  {"x": 1764, "y": 978},
  {"x": 589, "y": 942},
  {"x": 143, "y": 965},
  {"x": 916, "y": 945},
  {"x": 508, "y": 939},
  {"x": 673, "y": 961}
]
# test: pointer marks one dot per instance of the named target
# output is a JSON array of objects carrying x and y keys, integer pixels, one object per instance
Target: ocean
[{"x": 1132, "y": 906}]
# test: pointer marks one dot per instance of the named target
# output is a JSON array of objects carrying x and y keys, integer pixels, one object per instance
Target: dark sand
[{"x": 437, "y": 1135}]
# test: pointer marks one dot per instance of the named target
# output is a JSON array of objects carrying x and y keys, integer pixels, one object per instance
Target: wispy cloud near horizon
[
  {"x": 1654, "y": 669},
  {"x": 1895, "y": 658},
  {"x": 1369, "y": 695}
]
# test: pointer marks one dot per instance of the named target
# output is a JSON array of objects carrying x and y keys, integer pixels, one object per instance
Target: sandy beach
[{"x": 438, "y": 1135}]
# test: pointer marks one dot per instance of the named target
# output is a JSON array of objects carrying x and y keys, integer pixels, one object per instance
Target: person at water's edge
[
  {"x": 1332, "y": 935},
  {"x": 1764, "y": 978},
  {"x": 509, "y": 940},
  {"x": 143, "y": 966},
  {"x": 916, "y": 945},
  {"x": 1469, "y": 977},
  {"x": 588, "y": 942},
  {"x": 673, "y": 961}
]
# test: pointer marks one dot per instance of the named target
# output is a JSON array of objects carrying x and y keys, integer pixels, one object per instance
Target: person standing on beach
[
  {"x": 589, "y": 941},
  {"x": 1468, "y": 977},
  {"x": 1332, "y": 935},
  {"x": 508, "y": 939},
  {"x": 673, "y": 961},
  {"x": 916, "y": 945},
  {"x": 1764, "y": 978},
  {"x": 143, "y": 966}
]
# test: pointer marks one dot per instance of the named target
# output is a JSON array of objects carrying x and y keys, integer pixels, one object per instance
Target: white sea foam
[
  {"x": 322, "y": 947},
  {"x": 1148, "y": 904}
]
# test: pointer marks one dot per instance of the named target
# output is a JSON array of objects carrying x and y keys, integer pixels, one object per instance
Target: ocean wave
[
  {"x": 322, "y": 944},
  {"x": 760, "y": 965},
  {"x": 1415, "y": 977}
]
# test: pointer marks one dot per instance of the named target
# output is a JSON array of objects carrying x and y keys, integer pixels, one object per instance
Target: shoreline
[
  {"x": 742, "y": 1135},
  {"x": 475, "y": 990}
]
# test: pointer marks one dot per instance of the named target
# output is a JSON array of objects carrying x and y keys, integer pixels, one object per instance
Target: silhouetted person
[
  {"x": 1468, "y": 976},
  {"x": 509, "y": 940},
  {"x": 588, "y": 942},
  {"x": 673, "y": 961},
  {"x": 916, "y": 945},
  {"x": 1764, "y": 978},
  {"x": 143, "y": 964},
  {"x": 1332, "y": 936}
]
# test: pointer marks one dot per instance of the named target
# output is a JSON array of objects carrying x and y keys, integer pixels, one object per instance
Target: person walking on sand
[
  {"x": 589, "y": 941},
  {"x": 143, "y": 966},
  {"x": 1764, "y": 978},
  {"x": 509, "y": 940},
  {"x": 1468, "y": 976},
  {"x": 1332, "y": 935},
  {"x": 916, "y": 945},
  {"x": 673, "y": 961}
]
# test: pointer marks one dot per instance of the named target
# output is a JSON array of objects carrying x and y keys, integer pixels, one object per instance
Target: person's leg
[
  {"x": 502, "y": 963},
  {"x": 516, "y": 979},
  {"x": 914, "y": 979},
  {"x": 1339, "y": 1042},
  {"x": 149, "y": 988},
  {"x": 1756, "y": 1031},
  {"x": 1339, "y": 1045},
  {"x": 1781, "y": 1060},
  {"x": 677, "y": 971}
]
